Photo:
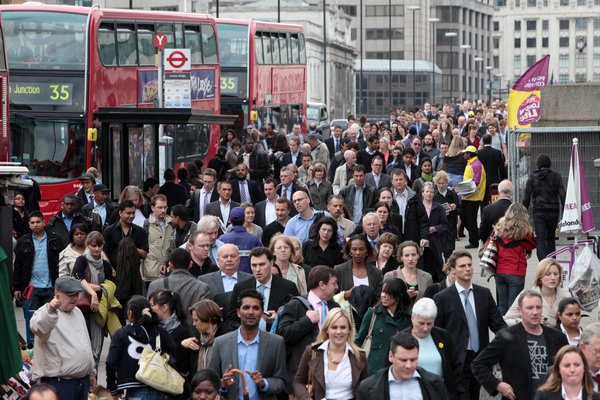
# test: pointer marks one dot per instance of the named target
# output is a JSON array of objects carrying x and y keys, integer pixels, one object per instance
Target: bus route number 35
[
  {"x": 228, "y": 83},
  {"x": 61, "y": 92}
]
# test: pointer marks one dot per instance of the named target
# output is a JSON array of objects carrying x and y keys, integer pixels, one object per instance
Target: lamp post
[
  {"x": 451, "y": 35},
  {"x": 478, "y": 60},
  {"x": 499, "y": 84},
  {"x": 413, "y": 9},
  {"x": 360, "y": 107},
  {"x": 433, "y": 21},
  {"x": 325, "y": 52},
  {"x": 489, "y": 69},
  {"x": 465, "y": 47}
]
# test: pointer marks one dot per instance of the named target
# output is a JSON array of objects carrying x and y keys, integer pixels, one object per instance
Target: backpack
[{"x": 302, "y": 299}]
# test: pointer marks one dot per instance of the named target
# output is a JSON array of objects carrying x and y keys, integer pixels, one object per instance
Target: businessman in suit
[
  {"x": 288, "y": 187},
  {"x": 334, "y": 143},
  {"x": 259, "y": 354},
  {"x": 294, "y": 156},
  {"x": 275, "y": 289},
  {"x": 222, "y": 207},
  {"x": 243, "y": 188},
  {"x": 202, "y": 197},
  {"x": 264, "y": 211},
  {"x": 221, "y": 282},
  {"x": 493, "y": 163},
  {"x": 376, "y": 178},
  {"x": 493, "y": 212},
  {"x": 467, "y": 312},
  {"x": 257, "y": 161}
]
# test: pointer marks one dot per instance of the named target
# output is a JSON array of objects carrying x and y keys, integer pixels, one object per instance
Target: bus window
[
  {"x": 107, "y": 46},
  {"x": 294, "y": 49},
  {"x": 283, "y": 46},
  {"x": 296, "y": 114},
  {"x": 233, "y": 45},
  {"x": 179, "y": 36},
  {"x": 192, "y": 42},
  {"x": 276, "y": 117},
  {"x": 167, "y": 29},
  {"x": 116, "y": 184},
  {"x": 45, "y": 40},
  {"x": 145, "y": 33},
  {"x": 275, "y": 48},
  {"x": 141, "y": 154},
  {"x": 209, "y": 44},
  {"x": 285, "y": 119},
  {"x": 258, "y": 48},
  {"x": 301, "y": 49},
  {"x": 190, "y": 142},
  {"x": 126, "y": 40},
  {"x": 266, "y": 37}
]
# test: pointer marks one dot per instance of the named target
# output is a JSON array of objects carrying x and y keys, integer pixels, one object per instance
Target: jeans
[
  {"x": 145, "y": 393},
  {"x": 545, "y": 227},
  {"x": 39, "y": 297},
  {"x": 70, "y": 389},
  {"x": 508, "y": 288}
]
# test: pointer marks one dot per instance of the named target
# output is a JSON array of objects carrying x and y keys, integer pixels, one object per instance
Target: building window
[
  {"x": 581, "y": 2},
  {"x": 518, "y": 3},
  {"x": 596, "y": 60},
  {"x": 531, "y": 25},
  {"x": 563, "y": 24},
  {"x": 496, "y": 26},
  {"x": 545, "y": 3},
  {"x": 531, "y": 3},
  {"x": 353, "y": 34},
  {"x": 563, "y": 78},
  {"x": 596, "y": 23},
  {"x": 348, "y": 9},
  {"x": 384, "y": 11},
  {"x": 448, "y": 14},
  {"x": 596, "y": 78},
  {"x": 442, "y": 40},
  {"x": 496, "y": 43},
  {"x": 563, "y": 61},
  {"x": 517, "y": 63},
  {"x": 580, "y": 78},
  {"x": 564, "y": 2},
  {"x": 563, "y": 42},
  {"x": 545, "y": 24},
  {"x": 596, "y": 41},
  {"x": 379, "y": 34},
  {"x": 517, "y": 26},
  {"x": 531, "y": 43},
  {"x": 544, "y": 42},
  {"x": 499, "y": 3},
  {"x": 517, "y": 43},
  {"x": 580, "y": 23},
  {"x": 530, "y": 60},
  {"x": 597, "y": 2}
]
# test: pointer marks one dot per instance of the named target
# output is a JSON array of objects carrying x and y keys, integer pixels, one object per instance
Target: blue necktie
[
  {"x": 471, "y": 322},
  {"x": 262, "y": 325},
  {"x": 323, "y": 312}
]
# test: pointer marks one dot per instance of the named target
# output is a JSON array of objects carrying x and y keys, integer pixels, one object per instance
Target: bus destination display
[{"x": 41, "y": 93}]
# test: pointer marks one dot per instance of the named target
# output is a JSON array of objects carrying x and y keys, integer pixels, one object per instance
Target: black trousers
[
  {"x": 470, "y": 209},
  {"x": 468, "y": 387}
]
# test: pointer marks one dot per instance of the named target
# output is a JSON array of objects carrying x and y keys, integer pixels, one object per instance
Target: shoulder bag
[
  {"x": 489, "y": 258},
  {"x": 155, "y": 371},
  {"x": 366, "y": 347}
]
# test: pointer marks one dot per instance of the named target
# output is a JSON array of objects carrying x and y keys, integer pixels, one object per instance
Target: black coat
[
  {"x": 176, "y": 194},
  {"x": 314, "y": 255},
  {"x": 256, "y": 194},
  {"x": 416, "y": 226},
  {"x": 547, "y": 190},
  {"x": 193, "y": 205},
  {"x": 25, "y": 254},
  {"x": 377, "y": 386},
  {"x": 259, "y": 165},
  {"x": 433, "y": 260},
  {"x": 490, "y": 215},
  {"x": 57, "y": 226},
  {"x": 493, "y": 164},
  {"x": 516, "y": 363},
  {"x": 87, "y": 212}
]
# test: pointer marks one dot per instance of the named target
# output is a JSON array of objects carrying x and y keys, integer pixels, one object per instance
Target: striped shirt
[{"x": 40, "y": 273}]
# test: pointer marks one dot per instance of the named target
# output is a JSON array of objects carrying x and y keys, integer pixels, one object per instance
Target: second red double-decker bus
[
  {"x": 66, "y": 62},
  {"x": 263, "y": 69}
]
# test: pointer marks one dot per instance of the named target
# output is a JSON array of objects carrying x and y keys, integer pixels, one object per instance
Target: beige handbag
[
  {"x": 155, "y": 371},
  {"x": 366, "y": 347}
]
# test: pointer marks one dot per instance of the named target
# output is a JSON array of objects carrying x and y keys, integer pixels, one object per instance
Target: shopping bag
[
  {"x": 489, "y": 258},
  {"x": 585, "y": 279}
]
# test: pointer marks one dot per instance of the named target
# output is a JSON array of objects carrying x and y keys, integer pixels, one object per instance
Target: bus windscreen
[
  {"x": 45, "y": 40},
  {"x": 233, "y": 45}
]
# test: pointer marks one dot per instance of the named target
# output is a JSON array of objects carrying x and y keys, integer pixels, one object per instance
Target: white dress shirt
[
  {"x": 338, "y": 382},
  {"x": 270, "y": 215}
]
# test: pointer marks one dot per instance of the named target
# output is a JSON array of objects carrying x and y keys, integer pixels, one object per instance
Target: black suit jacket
[
  {"x": 256, "y": 194},
  {"x": 287, "y": 159},
  {"x": 377, "y": 386},
  {"x": 451, "y": 316},
  {"x": 214, "y": 209},
  {"x": 87, "y": 212},
  {"x": 281, "y": 291},
  {"x": 415, "y": 172},
  {"x": 516, "y": 363},
  {"x": 493, "y": 163},
  {"x": 490, "y": 215},
  {"x": 176, "y": 194},
  {"x": 259, "y": 164},
  {"x": 295, "y": 187},
  {"x": 192, "y": 205},
  {"x": 424, "y": 129},
  {"x": 331, "y": 146}
]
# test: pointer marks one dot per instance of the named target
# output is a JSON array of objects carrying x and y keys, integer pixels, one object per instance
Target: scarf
[
  {"x": 171, "y": 324},
  {"x": 206, "y": 343},
  {"x": 427, "y": 177},
  {"x": 96, "y": 268}
]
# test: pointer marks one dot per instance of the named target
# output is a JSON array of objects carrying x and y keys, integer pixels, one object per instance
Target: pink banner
[{"x": 587, "y": 218}]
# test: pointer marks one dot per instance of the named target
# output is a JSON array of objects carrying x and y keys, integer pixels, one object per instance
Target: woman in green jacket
[{"x": 388, "y": 317}]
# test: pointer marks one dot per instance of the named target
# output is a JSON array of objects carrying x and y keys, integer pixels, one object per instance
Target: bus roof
[{"x": 260, "y": 24}]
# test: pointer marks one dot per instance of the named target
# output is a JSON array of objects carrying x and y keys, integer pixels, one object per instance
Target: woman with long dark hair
[
  {"x": 324, "y": 248},
  {"x": 126, "y": 349},
  {"x": 568, "y": 319},
  {"x": 207, "y": 321},
  {"x": 20, "y": 215},
  {"x": 220, "y": 164},
  {"x": 391, "y": 315}
]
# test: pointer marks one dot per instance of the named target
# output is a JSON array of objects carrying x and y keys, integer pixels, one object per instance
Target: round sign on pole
[
  {"x": 160, "y": 40},
  {"x": 177, "y": 59}
]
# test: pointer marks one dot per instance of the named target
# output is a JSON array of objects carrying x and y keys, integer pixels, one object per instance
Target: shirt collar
[
  {"x": 564, "y": 394},
  {"x": 234, "y": 276},
  {"x": 98, "y": 206},
  {"x": 460, "y": 288},
  {"x": 324, "y": 345},
  {"x": 240, "y": 339},
  {"x": 266, "y": 285},
  {"x": 65, "y": 217},
  {"x": 43, "y": 237},
  {"x": 391, "y": 377}
]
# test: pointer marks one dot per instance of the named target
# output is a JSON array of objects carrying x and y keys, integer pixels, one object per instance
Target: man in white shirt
[
  {"x": 201, "y": 197},
  {"x": 403, "y": 380},
  {"x": 589, "y": 343},
  {"x": 376, "y": 178},
  {"x": 265, "y": 210}
]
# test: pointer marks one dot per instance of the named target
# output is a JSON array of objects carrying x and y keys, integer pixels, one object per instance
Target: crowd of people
[{"x": 311, "y": 267}]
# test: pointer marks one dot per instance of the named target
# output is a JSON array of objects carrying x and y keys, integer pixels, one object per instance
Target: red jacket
[{"x": 512, "y": 258}]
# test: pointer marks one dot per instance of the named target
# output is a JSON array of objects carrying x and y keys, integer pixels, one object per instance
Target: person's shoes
[
  {"x": 471, "y": 246},
  {"x": 19, "y": 303},
  {"x": 461, "y": 235}
]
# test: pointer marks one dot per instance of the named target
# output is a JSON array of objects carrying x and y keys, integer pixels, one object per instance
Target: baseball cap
[
  {"x": 68, "y": 284},
  {"x": 237, "y": 215},
  {"x": 101, "y": 188},
  {"x": 471, "y": 114},
  {"x": 470, "y": 149}
]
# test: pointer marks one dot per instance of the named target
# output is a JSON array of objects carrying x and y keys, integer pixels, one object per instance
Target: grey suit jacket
[
  {"x": 214, "y": 209},
  {"x": 271, "y": 362},
  {"x": 215, "y": 283},
  {"x": 385, "y": 181},
  {"x": 424, "y": 279}
]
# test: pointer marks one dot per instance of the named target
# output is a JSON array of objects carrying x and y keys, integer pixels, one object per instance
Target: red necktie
[{"x": 597, "y": 380}]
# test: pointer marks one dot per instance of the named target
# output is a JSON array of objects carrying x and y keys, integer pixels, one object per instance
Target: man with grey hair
[
  {"x": 343, "y": 173},
  {"x": 532, "y": 349},
  {"x": 493, "y": 212},
  {"x": 372, "y": 228},
  {"x": 318, "y": 149},
  {"x": 589, "y": 343},
  {"x": 209, "y": 225},
  {"x": 335, "y": 206},
  {"x": 433, "y": 339}
]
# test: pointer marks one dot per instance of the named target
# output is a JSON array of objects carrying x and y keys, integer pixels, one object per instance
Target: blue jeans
[
  {"x": 508, "y": 288},
  {"x": 145, "y": 393},
  {"x": 70, "y": 389},
  {"x": 545, "y": 227}
]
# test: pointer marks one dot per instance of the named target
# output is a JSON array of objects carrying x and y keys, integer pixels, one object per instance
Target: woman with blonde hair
[
  {"x": 446, "y": 130},
  {"x": 548, "y": 278},
  {"x": 569, "y": 379},
  {"x": 444, "y": 195},
  {"x": 454, "y": 161},
  {"x": 385, "y": 149},
  {"x": 515, "y": 242},
  {"x": 319, "y": 188},
  {"x": 333, "y": 365},
  {"x": 283, "y": 248},
  {"x": 136, "y": 195}
]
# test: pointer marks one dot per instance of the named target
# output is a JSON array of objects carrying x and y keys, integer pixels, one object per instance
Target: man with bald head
[
  {"x": 42, "y": 391},
  {"x": 224, "y": 280}
]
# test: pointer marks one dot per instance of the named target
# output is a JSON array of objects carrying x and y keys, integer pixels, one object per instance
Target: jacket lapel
[
  {"x": 459, "y": 305},
  {"x": 318, "y": 369}
]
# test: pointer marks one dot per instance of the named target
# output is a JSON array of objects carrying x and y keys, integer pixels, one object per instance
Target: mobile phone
[{"x": 266, "y": 314}]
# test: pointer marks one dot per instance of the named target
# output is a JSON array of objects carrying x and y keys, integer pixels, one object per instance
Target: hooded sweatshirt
[{"x": 547, "y": 190}]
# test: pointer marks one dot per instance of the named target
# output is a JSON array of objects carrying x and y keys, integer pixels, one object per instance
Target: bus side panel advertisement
[{"x": 202, "y": 81}]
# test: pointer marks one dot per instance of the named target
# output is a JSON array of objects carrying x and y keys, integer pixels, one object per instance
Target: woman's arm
[{"x": 301, "y": 378}]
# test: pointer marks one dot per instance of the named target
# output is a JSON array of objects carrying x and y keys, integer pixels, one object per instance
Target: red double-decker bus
[
  {"x": 4, "y": 138},
  {"x": 263, "y": 69},
  {"x": 66, "y": 62}
]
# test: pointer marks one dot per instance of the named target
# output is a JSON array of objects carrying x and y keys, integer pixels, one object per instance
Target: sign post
[
  {"x": 160, "y": 41},
  {"x": 178, "y": 93}
]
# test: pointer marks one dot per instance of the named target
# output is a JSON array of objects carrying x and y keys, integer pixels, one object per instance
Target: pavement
[{"x": 460, "y": 245}]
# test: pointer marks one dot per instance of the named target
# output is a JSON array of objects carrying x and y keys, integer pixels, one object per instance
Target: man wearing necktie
[
  {"x": 334, "y": 143},
  {"x": 467, "y": 312}
]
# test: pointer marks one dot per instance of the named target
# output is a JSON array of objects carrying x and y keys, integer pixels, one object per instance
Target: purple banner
[
  {"x": 587, "y": 218},
  {"x": 202, "y": 84}
]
